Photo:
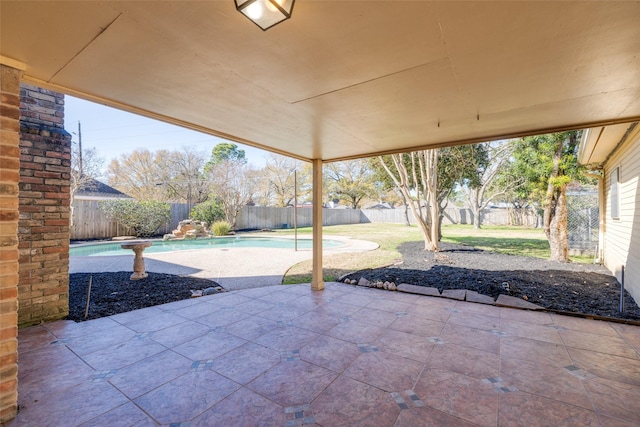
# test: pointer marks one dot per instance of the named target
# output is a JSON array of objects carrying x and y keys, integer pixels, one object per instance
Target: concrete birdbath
[{"x": 138, "y": 260}]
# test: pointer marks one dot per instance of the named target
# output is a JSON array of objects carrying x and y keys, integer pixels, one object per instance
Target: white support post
[{"x": 317, "y": 281}]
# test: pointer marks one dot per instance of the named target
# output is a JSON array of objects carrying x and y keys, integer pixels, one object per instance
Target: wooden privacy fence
[
  {"x": 524, "y": 217},
  {"x": 89, "y": 222},
  {"x": 259, "y": 217}
]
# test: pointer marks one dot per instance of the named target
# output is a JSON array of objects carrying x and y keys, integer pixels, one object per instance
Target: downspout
[{"x": 599, "y": 174}]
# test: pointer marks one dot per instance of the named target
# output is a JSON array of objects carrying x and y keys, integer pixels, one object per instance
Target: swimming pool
[{"x": 107, "y": 249}]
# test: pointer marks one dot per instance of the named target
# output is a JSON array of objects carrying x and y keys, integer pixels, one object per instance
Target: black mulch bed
[
  {"x": 577, "y": 288},
  {"x": 113, "y": 293}
]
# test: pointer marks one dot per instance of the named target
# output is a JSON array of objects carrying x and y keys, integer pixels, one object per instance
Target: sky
[{"x": 114, "y": 132}]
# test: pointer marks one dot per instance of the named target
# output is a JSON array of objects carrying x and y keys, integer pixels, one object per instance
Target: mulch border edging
[{"x": 507, "y": 301}]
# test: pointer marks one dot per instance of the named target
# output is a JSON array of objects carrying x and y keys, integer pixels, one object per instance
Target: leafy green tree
[
  {"x": 547, "y": 164},
  {"x": 209, "y": 211},
  {"x": 225, "y": 152},
  {"x": 144, "y": 218}
]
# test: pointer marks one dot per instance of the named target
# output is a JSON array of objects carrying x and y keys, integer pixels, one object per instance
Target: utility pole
[
  {"x": 79, "y": 150},
  {"x": 295, "y": 209}
]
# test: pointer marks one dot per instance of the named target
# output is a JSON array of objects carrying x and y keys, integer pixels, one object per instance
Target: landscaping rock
[
  {"x": 420, "y": 290},
  {"x": 364, "y": 282},
  {"x": 508, "y": 301},
  {"x": 189, "y": 230},
  {"x": 473, "y": 296},
  {"x": 457, "y": 294}
]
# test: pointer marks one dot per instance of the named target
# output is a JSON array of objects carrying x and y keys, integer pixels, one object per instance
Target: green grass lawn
[
  {"x": 502, "y": 239},
  {"x": 506, "y": 240}
]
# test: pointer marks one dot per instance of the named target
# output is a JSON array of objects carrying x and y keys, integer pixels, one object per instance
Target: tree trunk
[
  {"x": 476, "y": 217},
  {"x": 406, "y": 210},
  {"x": 423, "y": 176},
  {"x": 556, "y": 229},
  {"x": 427, "y": 231},
  {"x": 474, "y": 203},
  {"x": 555, "y": 213},
  {"x": 406, "y": 215}
]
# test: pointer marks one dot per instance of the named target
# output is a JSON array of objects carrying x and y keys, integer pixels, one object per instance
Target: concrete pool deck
[{"x": 232, "y": 268}]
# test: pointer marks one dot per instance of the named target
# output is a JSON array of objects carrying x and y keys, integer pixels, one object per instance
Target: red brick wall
[
  {"x": 9, "y": 177},
  {"x": 43, "y": 231}
]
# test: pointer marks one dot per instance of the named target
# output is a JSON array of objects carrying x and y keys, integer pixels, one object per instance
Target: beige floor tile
[
  {"x": 522, "y": 409},
  {"x": 286, "y": 355},
  {"x": 460, "y": 396}
]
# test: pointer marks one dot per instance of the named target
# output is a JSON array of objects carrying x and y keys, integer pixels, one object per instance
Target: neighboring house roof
[
  {"x": 383, "y": 205},
  {"x": 100, "y": 190}
]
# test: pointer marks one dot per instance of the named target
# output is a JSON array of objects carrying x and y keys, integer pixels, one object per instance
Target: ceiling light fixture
[{"x": 265, "y": 13}]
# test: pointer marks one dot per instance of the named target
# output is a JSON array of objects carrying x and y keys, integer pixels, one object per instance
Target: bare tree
[
  {"x": 486, "y": 164},
  {"x": 84, "y": 175},
  {"x": 183, "y": 175},
  {"x": 137, "y": 174},
  {"x": 350, "y": 180},
  {"x": 278, "y": 182},
  {"x": 168, "y": 176},
  {"x": 416, "y": 176},
  {"x": 86, "y": 167},
  {"x": 233, "y": 183}
]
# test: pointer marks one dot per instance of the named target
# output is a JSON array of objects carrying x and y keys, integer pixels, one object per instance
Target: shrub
[
  {"x": 220, "y": 228},
  {"x": 144, "y": 218},
  {"x": 209, "y": 211}
]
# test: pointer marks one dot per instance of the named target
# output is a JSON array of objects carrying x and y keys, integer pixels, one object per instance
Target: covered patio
[
  {"x": 339, "y": 80},
  {"x": 346, "y": 356}
]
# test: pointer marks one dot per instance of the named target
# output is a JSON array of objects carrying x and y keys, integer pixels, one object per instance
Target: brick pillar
[
  {"x": 9, "y": 178},
  {"x": 45, "y": 170}
]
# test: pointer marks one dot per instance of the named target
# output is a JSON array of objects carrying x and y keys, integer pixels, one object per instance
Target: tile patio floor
[{"x": 346, "y": 356}]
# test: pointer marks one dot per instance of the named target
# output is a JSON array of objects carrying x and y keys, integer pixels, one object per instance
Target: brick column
[
  {"x": 9, "y": 178},
  {"x": 45, "y": 170}
]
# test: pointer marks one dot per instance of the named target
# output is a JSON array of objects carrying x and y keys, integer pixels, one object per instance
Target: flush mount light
[{"x": 265, "y": 13}]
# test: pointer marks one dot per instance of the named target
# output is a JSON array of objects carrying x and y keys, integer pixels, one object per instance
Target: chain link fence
[{"x": 583, "y": 221}]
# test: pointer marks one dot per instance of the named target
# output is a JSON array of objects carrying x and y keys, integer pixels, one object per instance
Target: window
[{"x": 613, "y": 194}]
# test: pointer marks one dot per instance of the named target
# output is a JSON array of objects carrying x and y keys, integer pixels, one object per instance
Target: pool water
[{"x": 106, "y": 249}]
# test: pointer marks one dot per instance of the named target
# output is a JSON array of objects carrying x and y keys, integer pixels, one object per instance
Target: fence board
[
  {"x": 89, "y": 222},
  {"x": 454, "y": 216}
]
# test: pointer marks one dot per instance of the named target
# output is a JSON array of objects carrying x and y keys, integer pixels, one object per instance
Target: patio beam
[{"x": 317, "y": 282}]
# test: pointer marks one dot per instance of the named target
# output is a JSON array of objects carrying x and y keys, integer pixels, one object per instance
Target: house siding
[{"x": 622, "y": 236}]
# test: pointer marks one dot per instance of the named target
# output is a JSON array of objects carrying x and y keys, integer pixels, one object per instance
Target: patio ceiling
[{"x": 340, "y": 79}]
